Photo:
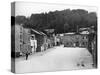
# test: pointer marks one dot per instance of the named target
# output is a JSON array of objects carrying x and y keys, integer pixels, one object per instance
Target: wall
[{"x": 74, "y": 40}]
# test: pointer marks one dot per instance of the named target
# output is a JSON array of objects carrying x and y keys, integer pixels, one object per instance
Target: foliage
[{"x": 62, "y": 21}]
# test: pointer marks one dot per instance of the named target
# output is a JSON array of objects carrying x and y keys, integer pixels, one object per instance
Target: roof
[
  {"x": 69, "y": 33},
  {"x": 82, "y": 29},
  {"x": 49, "y": 30},
  {"x": 42, "y": 33},
  {"x": 84, "y": 32},
  {"x": 38, "y": 32}
]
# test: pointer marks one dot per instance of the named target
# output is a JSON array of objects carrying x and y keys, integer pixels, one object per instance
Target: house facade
[
  {"x": 75, "y": 40},
  {"x": 22, "y": 40},
  {"x": 23, "y": 37}
]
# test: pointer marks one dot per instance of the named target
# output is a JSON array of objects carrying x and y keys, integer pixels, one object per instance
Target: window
[
  {"x": 21, "y": 29},
  {"x": 83, "y": 37},
  {"x": 21, "y": 36},
  {"x": 83, "y": 43}
]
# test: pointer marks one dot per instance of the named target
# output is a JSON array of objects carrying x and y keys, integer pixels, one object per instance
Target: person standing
[
  {"x": 58, "y": 42},
  {"x": 55, "y": 40},
  {"x": 26, "y": 56}
]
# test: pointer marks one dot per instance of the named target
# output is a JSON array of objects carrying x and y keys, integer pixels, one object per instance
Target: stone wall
[{"x": 75, "y": 40}]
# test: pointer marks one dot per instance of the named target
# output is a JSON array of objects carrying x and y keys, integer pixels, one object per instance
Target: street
[{"x": 57, "y": 58}]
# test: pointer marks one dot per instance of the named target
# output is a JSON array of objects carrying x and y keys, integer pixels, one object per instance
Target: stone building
[
  {"x": 75, "y": 40},
  {"x": 21, "y": 40}
]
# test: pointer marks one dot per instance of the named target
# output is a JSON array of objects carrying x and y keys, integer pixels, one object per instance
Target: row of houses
[
  {"x": 75, "y": 40},
  {"x": 22, "y": 37},
  {"x": 79, "y": 39}
]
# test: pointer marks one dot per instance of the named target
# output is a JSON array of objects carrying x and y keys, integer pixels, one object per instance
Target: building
[
  {"x": 25, "y": 34},
  {"x": 21, "y": 40},
  {"x": 75, "y": 40},
  {"x": 41, "y": 40},
  {"x": 21, "y": 37},
  {"x": 92, "y": 47}
]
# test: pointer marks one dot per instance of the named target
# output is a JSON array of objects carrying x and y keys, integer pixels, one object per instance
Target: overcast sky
[{"x": 27, "y": 8}]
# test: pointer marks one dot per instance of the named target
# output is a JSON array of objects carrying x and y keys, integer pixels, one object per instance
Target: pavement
[{"x": 55, "y": 59}]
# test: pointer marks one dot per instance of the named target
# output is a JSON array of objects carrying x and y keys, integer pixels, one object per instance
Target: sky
[{"x": 27, "y": 8}]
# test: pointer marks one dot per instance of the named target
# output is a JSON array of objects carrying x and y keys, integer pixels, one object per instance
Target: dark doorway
[{"x": 77, "y": 44}]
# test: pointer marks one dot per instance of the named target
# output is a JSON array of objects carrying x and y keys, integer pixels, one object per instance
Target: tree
[
  {"x": 20, "y": 19},
  {"x": 62, "y": 21},
  {"x": 66, "y": 27}
]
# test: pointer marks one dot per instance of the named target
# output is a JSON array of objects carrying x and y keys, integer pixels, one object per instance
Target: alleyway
[{"x": 58, "y": 58}]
